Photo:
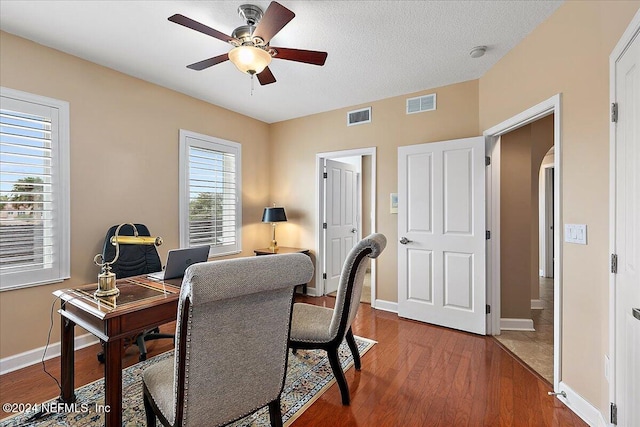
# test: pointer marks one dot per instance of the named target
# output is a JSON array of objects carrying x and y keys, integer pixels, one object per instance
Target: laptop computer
[{"x": 179, "y": 259}]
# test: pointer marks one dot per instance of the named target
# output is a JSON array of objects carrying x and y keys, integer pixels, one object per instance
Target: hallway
[{"x": 535, "y": 348}]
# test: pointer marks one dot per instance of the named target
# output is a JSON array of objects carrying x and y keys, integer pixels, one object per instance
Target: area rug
[{"x": 308, "y": 377}]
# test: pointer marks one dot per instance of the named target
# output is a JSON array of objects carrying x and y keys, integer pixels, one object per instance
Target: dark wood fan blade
[
  {"x": 266, "y": 77},
  {"x": 307, "y": 56},
  {"x": 195, "y": 25},
  {"x": 273, "y": 20},
  {"x": 199, "y": 66}
]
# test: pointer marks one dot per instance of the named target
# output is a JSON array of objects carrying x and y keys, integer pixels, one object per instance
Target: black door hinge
[
  {"x": 324, "y": 175},
  {"x": 614, "y": 112},
  {"x": 324, "y": 225},
  {"x": 487, "y": 161},
  {"x": 488, "y": 309},
  {"x": 614, "y": 414},
  {"x": 487, "y": 235},
  {"x": 324, "y": 275},
  {"x": 614, "y": 263}
]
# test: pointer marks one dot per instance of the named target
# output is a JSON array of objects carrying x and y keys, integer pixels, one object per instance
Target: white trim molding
[
  {"x": 537, "y": 304},
  {"x": 580, "y": 406},
  {"x": 31, "y": 357},
  {"x": 389, "y": 306},
  {"x": 507, "y": 324}
]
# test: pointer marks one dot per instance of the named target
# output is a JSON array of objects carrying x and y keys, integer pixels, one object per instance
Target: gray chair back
[
  {"x": 231, "y": 336},
  {"x": 351, "y": 282}
]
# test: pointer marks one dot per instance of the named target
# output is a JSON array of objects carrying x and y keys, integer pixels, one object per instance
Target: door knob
[
  {"x": 404, "y": 241},
  {"x": 354, "y": 230}
]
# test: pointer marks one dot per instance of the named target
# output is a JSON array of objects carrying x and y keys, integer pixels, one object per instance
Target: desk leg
[
  {"x": 113, "y": 383},
  {"x": 67, "y": 360}
]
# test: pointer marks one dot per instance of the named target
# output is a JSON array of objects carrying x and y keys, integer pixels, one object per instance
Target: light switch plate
[{"x": 575, "y": 233}]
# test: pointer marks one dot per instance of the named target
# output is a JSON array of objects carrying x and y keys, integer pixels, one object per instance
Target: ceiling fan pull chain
[{"x": 251, "y": 84}]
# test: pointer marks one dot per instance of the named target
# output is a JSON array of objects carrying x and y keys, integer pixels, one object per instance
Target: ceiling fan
[{"x": 251, "y": 52}]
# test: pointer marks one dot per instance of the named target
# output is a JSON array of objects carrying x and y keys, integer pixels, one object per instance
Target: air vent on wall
[
  {"x": 421, "y": 103},
  {"x": 358, "y": 117}
]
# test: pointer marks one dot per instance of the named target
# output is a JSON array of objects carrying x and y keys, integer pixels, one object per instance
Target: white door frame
[
  {"x": 546, "y": 253},
  {"x": 632, "y": 31},
  {"x": 492, "y": 138},
  {"x": 320, "y": 190}
]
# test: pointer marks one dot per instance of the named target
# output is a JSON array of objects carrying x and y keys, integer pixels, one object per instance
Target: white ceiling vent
[
  {"x": 358, "y": 117},
  {"x": 421, "y": 103}
]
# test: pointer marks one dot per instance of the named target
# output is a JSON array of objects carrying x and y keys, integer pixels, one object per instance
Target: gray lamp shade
[{"x": 274, "y": 215}]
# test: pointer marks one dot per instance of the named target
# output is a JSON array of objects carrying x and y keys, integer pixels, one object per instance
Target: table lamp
[
  {"x": 274, "y": 214},
  {"x": 107, "y": 278}
]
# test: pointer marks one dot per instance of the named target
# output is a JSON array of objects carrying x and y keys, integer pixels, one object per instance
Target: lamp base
[
  {"x": 274, "y": 246},
  {"x": 106, "y": 285}
]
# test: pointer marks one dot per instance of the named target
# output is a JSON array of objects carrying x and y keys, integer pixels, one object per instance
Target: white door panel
[
  {"x": 441, "y": 212},
  {"x": 341, "y": 218},
  {"x": 627, "y": 236}
]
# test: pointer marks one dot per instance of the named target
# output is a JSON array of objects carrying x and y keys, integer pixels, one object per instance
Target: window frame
[
  {"x": 190, "y": 139},
  {"x": 61, "y": 266}
]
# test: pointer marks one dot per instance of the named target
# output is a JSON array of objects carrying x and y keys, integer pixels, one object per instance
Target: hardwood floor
[{"x": 417, "y": 375}]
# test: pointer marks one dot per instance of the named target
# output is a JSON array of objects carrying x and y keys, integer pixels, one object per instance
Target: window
[
  {"x": 34, "y": 189},
  {"x": 210, "y": 193}
]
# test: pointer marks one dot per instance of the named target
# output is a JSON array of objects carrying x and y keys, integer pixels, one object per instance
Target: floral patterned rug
[{"x": 308, "y": 376}]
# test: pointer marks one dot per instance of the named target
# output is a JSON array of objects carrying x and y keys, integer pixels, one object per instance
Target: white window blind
[
  {"x": 34, "y": 185},
  {"x": 210, "y": 193}
]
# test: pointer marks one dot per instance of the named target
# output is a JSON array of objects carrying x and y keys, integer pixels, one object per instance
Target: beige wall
[
  {"x": 521, "y": 153},
  {"x": 569, "y": 54},
  {"x": 124, "y": 166},
  {"x": 295, "y": 143}
]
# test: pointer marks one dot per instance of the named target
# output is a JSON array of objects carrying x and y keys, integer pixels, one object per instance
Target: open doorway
[
  {"x": 526, "y": 258},
  {"x": 331, "y": 246},
  {"x": 498, "y": 320}
]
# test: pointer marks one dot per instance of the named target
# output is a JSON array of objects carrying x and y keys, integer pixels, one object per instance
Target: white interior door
[
  {"x": 441, "y": 227},
  {"x": 340, "y": 217},
  {"x": 627, "y": 236}
]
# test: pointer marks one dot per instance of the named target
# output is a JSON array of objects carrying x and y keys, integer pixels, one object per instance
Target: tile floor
[{"x": 536, "y": 348}]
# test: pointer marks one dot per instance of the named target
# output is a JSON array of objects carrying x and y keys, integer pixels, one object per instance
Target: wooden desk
[
  {"x": 143, "y": 304},
  {"x": 284, "y": 250}
]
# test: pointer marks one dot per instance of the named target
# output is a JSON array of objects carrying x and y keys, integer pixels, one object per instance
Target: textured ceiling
[{"x": 376, "y": 49}]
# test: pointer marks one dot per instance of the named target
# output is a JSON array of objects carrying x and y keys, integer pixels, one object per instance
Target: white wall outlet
[{"x": 575, "y": 233}]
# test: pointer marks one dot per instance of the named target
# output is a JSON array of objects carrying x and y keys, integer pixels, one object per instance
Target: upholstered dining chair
[
  {"x": 231, "y": 342},
  {"x": 316, "y": 327}
]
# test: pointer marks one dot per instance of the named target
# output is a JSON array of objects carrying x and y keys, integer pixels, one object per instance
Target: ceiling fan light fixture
[{"x": 249, "y": 59}]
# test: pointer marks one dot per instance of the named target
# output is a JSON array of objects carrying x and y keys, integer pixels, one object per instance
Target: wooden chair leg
[
  {"x": 148, "y": 410},
  {"x": 275, "y": 416},
  {"x": 334, "y": 361},
  {"x": 354, "y": 349}
]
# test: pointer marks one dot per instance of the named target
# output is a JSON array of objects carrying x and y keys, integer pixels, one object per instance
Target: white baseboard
[
  {"x": 31, "y": 357},
  {"x": 581, "y": 407},
  {"x": 507, "y": 324},
  {"x": 312, "y": 292},
  {"x": 537, "y": 304},
  {"x": 386, "y": 306}
]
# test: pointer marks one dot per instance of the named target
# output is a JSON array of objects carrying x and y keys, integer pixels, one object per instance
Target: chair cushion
[
  {"x": 159, "y": 381},
  {"x": 310, "y": 323}
]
